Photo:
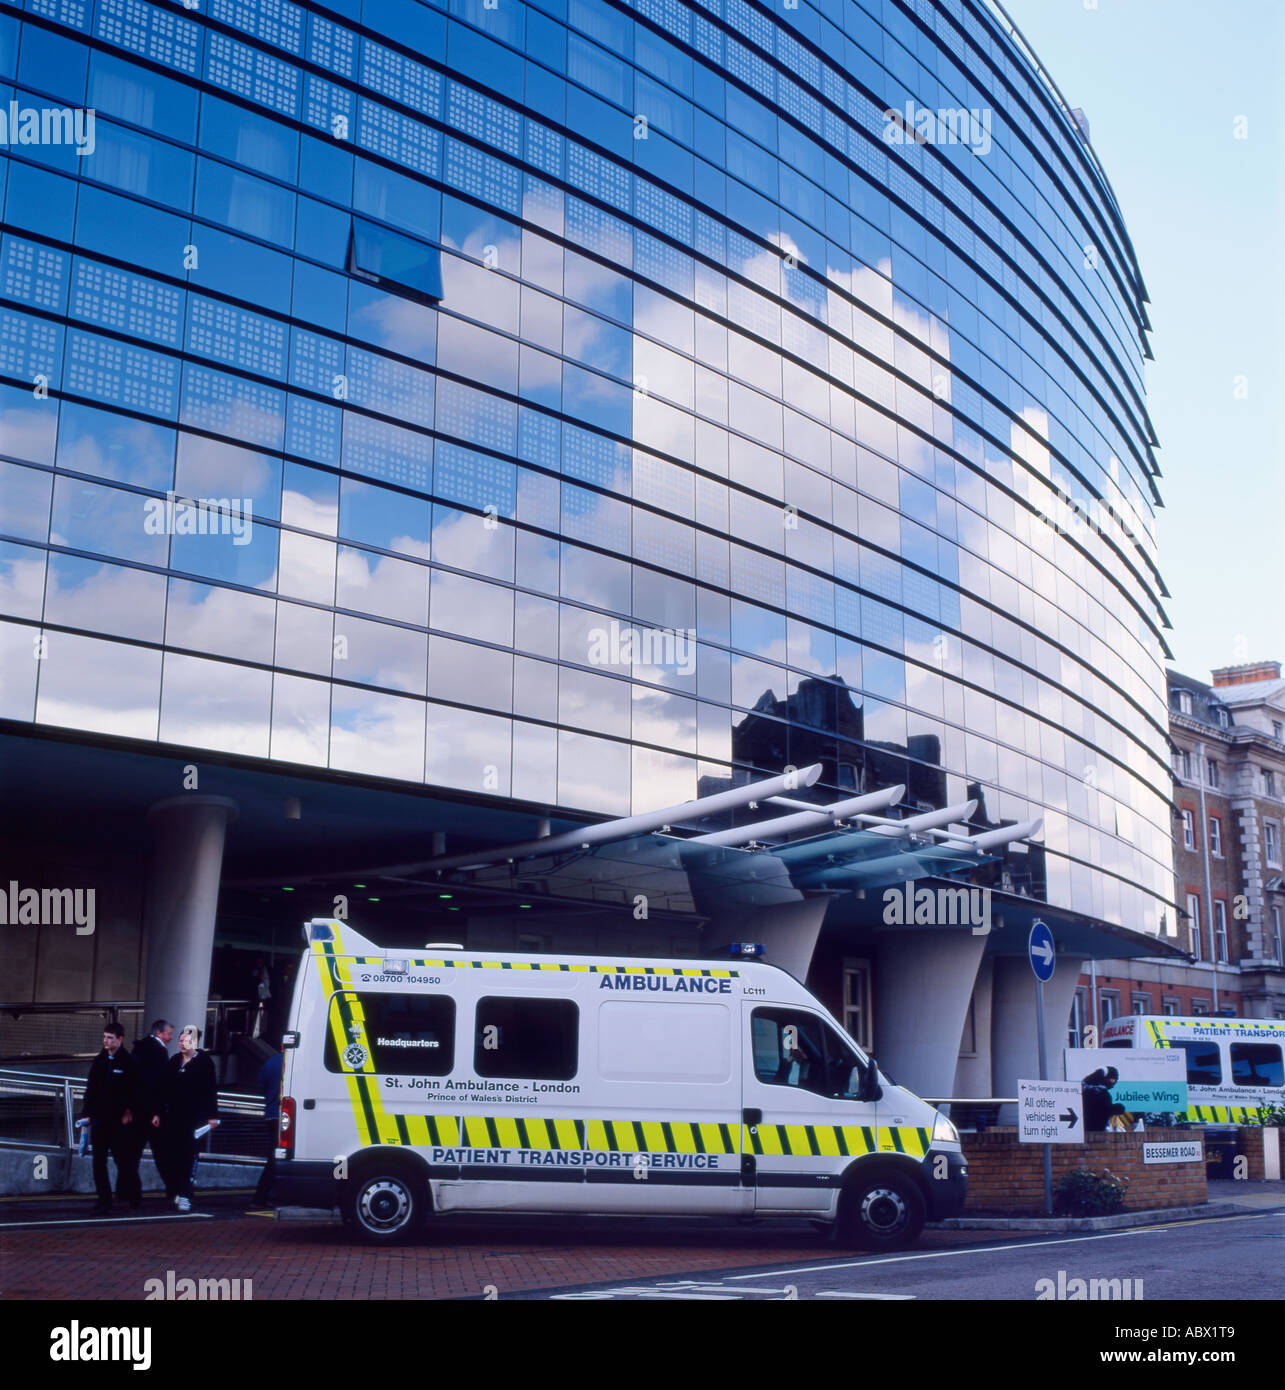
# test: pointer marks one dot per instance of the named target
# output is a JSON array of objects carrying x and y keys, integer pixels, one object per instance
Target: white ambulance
[
  {"x": 1235, "y": 1066},
  {"x": 443, "y": 1080}
]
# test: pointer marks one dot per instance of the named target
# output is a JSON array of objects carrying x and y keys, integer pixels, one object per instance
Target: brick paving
[{"x": 308, "y": 1260}]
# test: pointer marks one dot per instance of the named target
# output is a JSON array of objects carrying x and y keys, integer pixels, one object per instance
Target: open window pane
[{"x": 389, "y": 258}]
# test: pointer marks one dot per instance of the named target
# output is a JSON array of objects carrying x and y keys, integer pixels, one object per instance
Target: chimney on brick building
[{"x": 1247, "y": 674}]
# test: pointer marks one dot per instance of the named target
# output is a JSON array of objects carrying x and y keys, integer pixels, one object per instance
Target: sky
[{"x": 1163, "y": 83}]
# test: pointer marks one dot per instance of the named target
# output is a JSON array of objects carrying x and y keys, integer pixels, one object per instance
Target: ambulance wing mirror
[{"x": 865, "y": 1082}]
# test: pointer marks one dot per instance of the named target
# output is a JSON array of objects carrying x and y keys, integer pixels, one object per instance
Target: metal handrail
[
  {"x": 238, "y": 1104},
  {"x": 971, "y": 1100}
]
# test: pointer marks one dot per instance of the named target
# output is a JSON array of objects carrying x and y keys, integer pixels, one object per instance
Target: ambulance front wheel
[
  {"x": 881, "y": 1211},
  {"x": 386, "y": 1206}
]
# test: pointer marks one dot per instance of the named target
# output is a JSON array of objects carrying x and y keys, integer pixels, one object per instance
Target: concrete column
[
  {"x": 181, "y": 905},
  {"x": 1014, "y": 1049},
  {"x": 973, "y": 1074},
  {"x": 787, "y": 931},
  {"x": 922, "y": 983}
]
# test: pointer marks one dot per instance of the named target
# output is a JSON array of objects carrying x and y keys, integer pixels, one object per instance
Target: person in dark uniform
[
  {"x": 152, "y": 1054},
  {"x": 191, "y": 1101},
  {"x": 270, "y": 1086},
  {"x": 1098, "y": 1105},
  {"x": 110, "y": 1106}
]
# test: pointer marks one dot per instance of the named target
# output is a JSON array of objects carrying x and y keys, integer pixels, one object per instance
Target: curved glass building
[{"x": 571, "y": 408}]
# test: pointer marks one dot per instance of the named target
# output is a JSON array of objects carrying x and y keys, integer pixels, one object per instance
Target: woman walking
[{"x": 191, "y": 1102}]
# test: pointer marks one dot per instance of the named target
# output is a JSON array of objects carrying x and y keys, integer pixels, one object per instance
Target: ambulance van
[
  {"x": 1235, "y": 1066},
  {"x": 442, "y": 1080}
]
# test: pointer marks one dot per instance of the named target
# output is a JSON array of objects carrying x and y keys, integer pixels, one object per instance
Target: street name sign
[
  {"x": 1049, "y": 1112},
  {"x": 1186, "y": 1151}
]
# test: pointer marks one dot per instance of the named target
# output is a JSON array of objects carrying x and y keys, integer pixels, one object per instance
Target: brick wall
[{"x": 1007, "y": 1177}]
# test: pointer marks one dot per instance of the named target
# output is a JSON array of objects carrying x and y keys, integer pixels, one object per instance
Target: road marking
[
  {"x": 719, "y": 1292},
  {"x": 1209, "y": 1220},
  {"x": 108, "y": 1220},
  {"x": 881, "y": 1297},
  {"x": 941, "y": 1254}
]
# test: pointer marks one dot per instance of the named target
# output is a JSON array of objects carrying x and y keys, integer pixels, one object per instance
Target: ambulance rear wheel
[
  {"x": 881, "y": 1212},
  {"x": 386, "y": 1206}
]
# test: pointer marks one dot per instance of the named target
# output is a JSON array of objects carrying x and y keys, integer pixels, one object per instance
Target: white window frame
[
  {"x": 1188, "y": 831},
  {"x": 1186, "y": 765},
  {"x": 1276, "y": 936},
  {"x": 1220, "y": 930},
  {"x": 1212, "y": 773},
  {"x": 1193, "y": 911},
  {"x": 1184, "y": 702},
  {"x": 858, "y": 1017},
  {"x": 1215, "y": 837},
  {"x": 1272, "y": 840}
]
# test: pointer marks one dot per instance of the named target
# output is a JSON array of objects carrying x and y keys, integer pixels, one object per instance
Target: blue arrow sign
[{"x": 1041, "y": 952}]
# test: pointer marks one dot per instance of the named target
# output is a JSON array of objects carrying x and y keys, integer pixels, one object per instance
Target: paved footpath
[{"x": 48, "y": 1250}]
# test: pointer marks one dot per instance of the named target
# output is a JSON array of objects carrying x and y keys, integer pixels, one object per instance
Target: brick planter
[{"x": 1007, "y": 1178}]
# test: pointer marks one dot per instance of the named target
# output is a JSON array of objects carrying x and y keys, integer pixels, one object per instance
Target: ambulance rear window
[{"x": 403, "y": 1034}]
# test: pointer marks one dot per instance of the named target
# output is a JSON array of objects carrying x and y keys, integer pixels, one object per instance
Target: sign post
[{"x": 1042, "y": 954}]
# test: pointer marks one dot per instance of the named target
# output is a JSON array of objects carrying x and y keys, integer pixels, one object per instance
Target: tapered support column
[
  {"x": 788, "y": 932},
  {"x": 1014, "y": 1050},
  {"x": 182, "y": 904},
  {"x": 923, "y": 982}
]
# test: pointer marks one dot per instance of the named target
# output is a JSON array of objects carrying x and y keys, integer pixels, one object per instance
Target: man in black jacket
[
  {"x": 111, "y": 1100},
  {"x": 152, "y": 1054},
  {"x": 1098, "y": 1106}
]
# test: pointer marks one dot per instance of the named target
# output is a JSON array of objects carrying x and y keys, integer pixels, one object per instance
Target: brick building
[{"x": 1228, "y": 742}]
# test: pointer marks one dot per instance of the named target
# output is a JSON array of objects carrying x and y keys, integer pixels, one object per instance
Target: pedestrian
[
  {"x": 111, "y": 1098},
  {"x": 191, "y": 1102},
  {"x": 261, "y": 995},
  {"x": 1098, "y": 1107},
  {"x": 152, "y": 1054},
  {"x": 270, "y": 1086}
]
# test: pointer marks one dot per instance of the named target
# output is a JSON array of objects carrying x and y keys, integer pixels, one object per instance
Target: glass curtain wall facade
[{"x": 583, "y": 404}]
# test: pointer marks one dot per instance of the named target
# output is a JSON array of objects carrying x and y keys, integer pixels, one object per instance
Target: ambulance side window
[
  {"x": 1256, "y": 1064},
  {"x": 527, "y": 1039},
  {"x": 1204, "y": 1062},
  {"x": 796, "y": 1049}
]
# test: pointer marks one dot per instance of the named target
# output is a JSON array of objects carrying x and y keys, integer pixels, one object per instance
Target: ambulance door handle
[{"x": 751, "y": 1117}]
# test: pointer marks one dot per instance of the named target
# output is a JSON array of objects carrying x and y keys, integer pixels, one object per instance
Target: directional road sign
[
  {"x": 1041, "y": 952},
  {"x": 1050, "y": 1112}
]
